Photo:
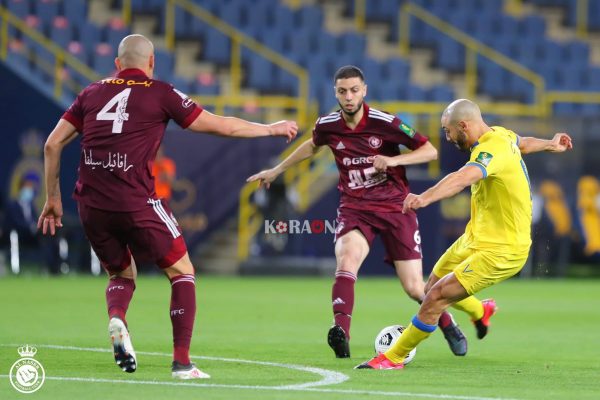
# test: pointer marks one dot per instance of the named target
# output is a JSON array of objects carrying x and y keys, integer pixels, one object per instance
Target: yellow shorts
[{"x": 477, "y": 269}]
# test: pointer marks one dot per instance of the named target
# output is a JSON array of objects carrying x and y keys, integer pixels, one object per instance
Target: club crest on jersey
[
  {"x": 375, "y": 142},
  {"x": 484, "y": 158}
]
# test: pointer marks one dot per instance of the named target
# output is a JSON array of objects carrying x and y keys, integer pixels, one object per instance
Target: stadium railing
[
  {"x": 55, "y": 67},
  {"x": 543, "y": 99},
  {"x": 238, "y": 40},
  {"x": 515, "y": 7}
]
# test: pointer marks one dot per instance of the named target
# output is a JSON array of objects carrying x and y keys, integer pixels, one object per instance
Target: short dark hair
[{"x": 348, "y": 71}]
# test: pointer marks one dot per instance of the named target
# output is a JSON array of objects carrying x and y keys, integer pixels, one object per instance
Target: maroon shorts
[
  {"x": 151, "y": 235},
  {"x": 399, "y": 232}
]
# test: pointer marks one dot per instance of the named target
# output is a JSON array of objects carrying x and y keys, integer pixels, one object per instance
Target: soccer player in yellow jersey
[{"x": 496, "y": 241}]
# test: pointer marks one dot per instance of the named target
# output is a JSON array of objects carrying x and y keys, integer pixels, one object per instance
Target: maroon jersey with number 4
[
  {"x": 122, "y": 121},
  {"x": 378, "y": 133}
]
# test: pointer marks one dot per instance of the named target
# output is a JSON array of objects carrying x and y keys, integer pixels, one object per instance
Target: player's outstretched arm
[
  {"x": 51, "y": 215},
  {"x": 559, "y": 143},
  {"x": 449, "y": 186},
  {"x": 208, "y": 122},
  {"x": 304, "y": 151},
  {"x": 423, "y": 154}
]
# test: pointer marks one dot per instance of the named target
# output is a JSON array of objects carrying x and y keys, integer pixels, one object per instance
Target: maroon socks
[
  {"x": 183, "y": 314},
  {"x": 342, "y": 298},
  {"x": 118, "y": 295}
]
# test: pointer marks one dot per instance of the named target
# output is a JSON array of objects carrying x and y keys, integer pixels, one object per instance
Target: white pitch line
[
  {"x": 327, "y": 377},
  {"x": 332, "y": 377},
  {"x": 274, "y": 388}
]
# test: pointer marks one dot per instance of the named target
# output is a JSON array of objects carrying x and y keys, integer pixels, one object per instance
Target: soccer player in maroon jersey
[
  {"x": 122, "y": 121},
  {"x": 373, "y": 186}
]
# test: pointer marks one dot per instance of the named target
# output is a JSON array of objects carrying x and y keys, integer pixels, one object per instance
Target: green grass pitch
[{"x": 264, "y": 338}]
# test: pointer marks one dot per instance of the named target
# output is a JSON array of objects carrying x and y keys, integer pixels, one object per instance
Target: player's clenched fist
[
  {"x": 413, "y": 202},
  {"x": 561, "y": 142},
  {"x": 381, "y": 163}
]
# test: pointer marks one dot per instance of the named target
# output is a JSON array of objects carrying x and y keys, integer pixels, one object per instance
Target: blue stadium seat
[
  {"x": 283, "y": 18},
  {"x": 576, "y": 52},
  {"x": 533, "y": 26},
  {"x": 115, "y": 32},
  {"x": 326, "y": 45},
  {"x": 46, "y": 10},
  {"x": 372, "y": 70},
  {"x": 310, "y": 17},
  {"x": 352, "y": 43},
  {"x": 260, "y": 74},
  {"x": 387, "y": 91},
  {"x": 451, "y": 55},
  {"x": 440, "y": 93},
  {"x": 216, "y": 47},
  {"x": 549, "y": 52},
  {"x": 272, "y": 38},
  {"x": 75, "y": 12},
  {"x": 415, "y": 93},
  {"x": 61, "y": 32},
  {"x": 103, "y": 59},
  {"x": 89, "y": 34},
  {"x": 182, "y": 84},
  {"x": 593, "y": 79},
  {"x": 396, "y": 69},
  {"x": 231, "y": 12},
  {"x": 164, "y": 62},
  {"x": 21, "y": 8}
]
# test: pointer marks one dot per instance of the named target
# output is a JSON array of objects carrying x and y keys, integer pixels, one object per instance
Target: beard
[
  {"x": 461, "y": 142},
  {"x": 358, "y": 107}
]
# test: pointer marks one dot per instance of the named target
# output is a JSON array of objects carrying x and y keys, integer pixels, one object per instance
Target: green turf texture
[{"x": 544, "y": 341}]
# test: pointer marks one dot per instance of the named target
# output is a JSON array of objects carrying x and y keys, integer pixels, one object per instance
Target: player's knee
[
  {"x": 349, "y": 261},
  {"x": 181, "y": 267}
]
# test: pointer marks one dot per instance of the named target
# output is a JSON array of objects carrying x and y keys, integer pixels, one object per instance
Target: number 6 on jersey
[{"x": 119, "y": 115}]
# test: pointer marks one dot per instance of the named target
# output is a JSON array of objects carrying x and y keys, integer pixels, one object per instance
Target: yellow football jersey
[{"x": 501, "y": 201}]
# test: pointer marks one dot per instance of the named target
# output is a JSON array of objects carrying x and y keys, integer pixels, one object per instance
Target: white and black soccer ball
[{"x": 387, "y": 337}]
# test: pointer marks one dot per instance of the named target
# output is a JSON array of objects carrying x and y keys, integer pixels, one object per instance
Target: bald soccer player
[
  {"x": 122, "y": 122},
  {"x": 496, "y": 241}
]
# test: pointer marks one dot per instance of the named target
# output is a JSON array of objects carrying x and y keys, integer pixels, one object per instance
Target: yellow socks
[
  {"x": 472, "y": 306},
  {"x": 416, "y": 332}
]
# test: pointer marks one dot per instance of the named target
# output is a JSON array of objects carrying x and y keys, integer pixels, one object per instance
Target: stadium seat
[
  {"x": 61, "y": 32},
  {"x": 20, "y": 8}
]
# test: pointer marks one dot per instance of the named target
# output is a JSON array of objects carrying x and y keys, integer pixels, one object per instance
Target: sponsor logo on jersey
[{"x": 347, "y": 161}]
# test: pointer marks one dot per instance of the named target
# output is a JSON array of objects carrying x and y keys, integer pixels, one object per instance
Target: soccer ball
[{"x": 387, "y": 337}]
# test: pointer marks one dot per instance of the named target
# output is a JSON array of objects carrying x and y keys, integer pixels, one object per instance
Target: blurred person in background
[
  {"x": 163, "y": 171},
  {"x": 21, "y": 217},
  {"x": 122, "y": 121}
]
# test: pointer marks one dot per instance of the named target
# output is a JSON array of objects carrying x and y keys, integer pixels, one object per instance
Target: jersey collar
[
  {"x": 130, "y": 72},
  {"x": 477, "y": 142}
]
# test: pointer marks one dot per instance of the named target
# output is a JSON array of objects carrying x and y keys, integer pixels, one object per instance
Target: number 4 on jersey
[{"x": 119, "y": 115}]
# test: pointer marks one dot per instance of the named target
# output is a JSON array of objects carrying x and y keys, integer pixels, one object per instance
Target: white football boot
[
  {"x": 122, "y": 347},
  {"x": 180, "y": 371}
]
